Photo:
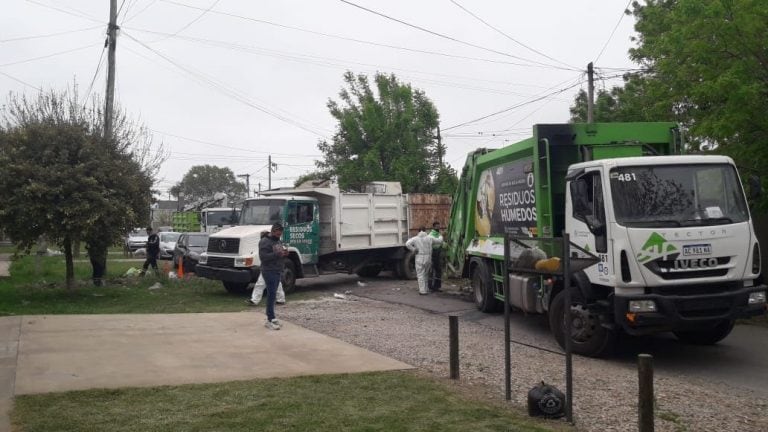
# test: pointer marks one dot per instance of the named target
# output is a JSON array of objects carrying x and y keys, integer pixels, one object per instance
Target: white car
[
  {"x": 168, "y": 241},
  {"x": 136, "y": 239}
]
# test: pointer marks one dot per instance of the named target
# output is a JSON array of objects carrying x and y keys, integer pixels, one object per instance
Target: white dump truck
[{"x": 326, "y": 231}]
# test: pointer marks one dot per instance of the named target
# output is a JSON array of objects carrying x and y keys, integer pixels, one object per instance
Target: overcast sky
[{"x": 230, "y": 82}]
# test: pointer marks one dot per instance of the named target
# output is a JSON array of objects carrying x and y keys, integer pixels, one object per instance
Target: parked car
[
  {"x": 136, "y": 239},
  {"x": 167, "y": 244},
  {"x": 188, "y": 248}
]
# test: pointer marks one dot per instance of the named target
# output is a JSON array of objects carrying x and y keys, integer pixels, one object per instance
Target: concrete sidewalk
[{"x": 53, "y": 353}]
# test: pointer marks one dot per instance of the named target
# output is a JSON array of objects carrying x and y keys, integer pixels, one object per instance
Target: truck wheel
[
  {"x": 289, "y": 277},
  {"x": 236, "y": 287},
  {"x": 406, "y": 267},
  {"x": 708, "y": 336},
  {"x": 482, "y": 287},
  {"x": 369, "y": 271},
  {"x": 588, "y": 337}
]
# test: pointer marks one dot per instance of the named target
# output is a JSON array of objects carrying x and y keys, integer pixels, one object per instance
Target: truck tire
[
  {"x": 289, "y": 277},
  {"x": 482, "y": 288},
  {"x": 236, "y": 287},
  {"x": 707, "y": 336},
  {"x": 370, "y": 271},
  {"x": 406, "y": 267},
  {"x": 588, "y": 337}
]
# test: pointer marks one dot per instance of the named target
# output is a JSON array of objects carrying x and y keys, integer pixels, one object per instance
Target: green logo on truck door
[
  {"x": 302, "y": 229},
  {"x": 657, "y": 248}
]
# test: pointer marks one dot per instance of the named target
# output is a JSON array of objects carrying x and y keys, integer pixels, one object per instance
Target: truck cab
[{"x": 666, "y": 228}]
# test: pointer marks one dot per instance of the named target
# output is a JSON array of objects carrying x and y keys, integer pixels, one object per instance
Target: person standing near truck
[
  {"x": 153, "y": 250},
  {"x": 422, "y": 244},
  {"x": 436, "y": 280},
  {"x": 272, "y": 254},
  {"x": 260, "y": 285}
]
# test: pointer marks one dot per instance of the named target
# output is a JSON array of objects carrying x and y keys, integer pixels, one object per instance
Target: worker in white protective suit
[
  {"x": 260, "y": 285},
  {"x": 422, "y": 244}
]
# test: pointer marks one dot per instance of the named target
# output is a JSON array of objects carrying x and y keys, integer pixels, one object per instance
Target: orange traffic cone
[{"x": 180, "y": 270}]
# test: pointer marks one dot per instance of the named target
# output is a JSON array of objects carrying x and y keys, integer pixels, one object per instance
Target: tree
[
  {"x": 60, "y": 178},
  {"x": 203, "y": 181},
  {"x": 387, "y": 135},
  {"x": 708, "y": 60}
]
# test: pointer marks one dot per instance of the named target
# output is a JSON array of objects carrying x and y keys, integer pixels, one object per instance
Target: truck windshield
[
  {"x": 677, "y": 195},
  {"x": 262, "y": 212},
  {"x": 221, "y": 217}
]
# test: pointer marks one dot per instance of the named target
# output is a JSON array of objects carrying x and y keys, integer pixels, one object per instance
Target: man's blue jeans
[{"x": 271, "y": 279}]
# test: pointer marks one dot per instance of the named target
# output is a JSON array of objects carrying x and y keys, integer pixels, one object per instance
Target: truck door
[
  {"x": 587, "y": 222},
  {"x": 302, "y": 230}
]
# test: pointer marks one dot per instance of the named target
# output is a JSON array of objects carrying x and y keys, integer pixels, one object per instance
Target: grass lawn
[
  {"x": 39, "y": 289},
  {"x": 384, "y": 401}
]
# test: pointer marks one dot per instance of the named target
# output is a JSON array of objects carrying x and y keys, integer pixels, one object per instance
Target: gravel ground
[{"x": 605, "y": 392}]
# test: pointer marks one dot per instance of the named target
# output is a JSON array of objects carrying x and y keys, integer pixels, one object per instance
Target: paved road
[{"x": 740, "y": 360}]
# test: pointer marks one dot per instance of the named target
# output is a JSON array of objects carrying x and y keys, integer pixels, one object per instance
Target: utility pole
[
  {"x": 247, "y": 184},
  {"x": 112, "y": 45},
  {"x": 439, "y": 148},
  {"x": 590, "y": 93},
  {"x": 271, "y": 167}
]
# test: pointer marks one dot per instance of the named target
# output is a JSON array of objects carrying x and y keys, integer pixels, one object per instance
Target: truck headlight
[
  {"x": 243, "y": 262},
  {"x": 638, "y": 306},
  {"x": 203, "y": 258},
  {"x": 756, "y": 298}
]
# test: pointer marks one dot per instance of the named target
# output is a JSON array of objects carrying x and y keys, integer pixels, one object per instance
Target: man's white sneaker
[{"x": 273, "y": 325}]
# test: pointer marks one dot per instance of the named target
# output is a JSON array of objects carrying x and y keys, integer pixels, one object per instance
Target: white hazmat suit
[
  {"x": 422, "y": 245},
  {"x": 258, "y": 291}
]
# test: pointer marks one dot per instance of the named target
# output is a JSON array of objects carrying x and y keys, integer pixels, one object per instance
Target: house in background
[{"x": 161, "y": 213}]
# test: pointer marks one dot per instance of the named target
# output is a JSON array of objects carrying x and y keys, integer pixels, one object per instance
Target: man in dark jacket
[
  {"x": 272, "y": 252},
  {"x": 153, "y": 251}
]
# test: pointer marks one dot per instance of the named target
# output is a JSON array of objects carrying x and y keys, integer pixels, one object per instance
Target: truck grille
[
  {"x": 221, "y": 262},
  {"x": 223, "y": 245},
  {"x": 667, "y": 271},
  {"x": 704, "y": 307}
]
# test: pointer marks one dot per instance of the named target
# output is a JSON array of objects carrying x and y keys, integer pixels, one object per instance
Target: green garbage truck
[{"x": 673, "y": 233}]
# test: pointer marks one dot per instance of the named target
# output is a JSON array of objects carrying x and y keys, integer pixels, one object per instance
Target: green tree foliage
[
  {"x": 385, "y": 135},
  {"x": 59, "y": 177},
  {"x": 709, "y": 62},
  {"x": 703, "y": 64},
  {"x": 203, "y": 181}
]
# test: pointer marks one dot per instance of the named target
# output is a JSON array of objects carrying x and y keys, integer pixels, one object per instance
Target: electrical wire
[
  {"x": 230, "y": 92},
  {"x": 508, "y": 36},
  {"x": 20, "y": 81},
  {"x": 512, "y": 107},
  {"x": 22, "y": 38},
  {"x": 95, "y": 74},
  {"x": 217, "y": 145},
  {"x": 76, "y": 12},
  {"x": 127, "y": 18},
  {"x": 189, "y": 24},
  {"x": 49, "y": 55},
  {"x": 451, "y": 38},
  {"x": 612, "y": 32},
  {"x": 340, "y": 63},
  {"x": 360, "y": 41}
]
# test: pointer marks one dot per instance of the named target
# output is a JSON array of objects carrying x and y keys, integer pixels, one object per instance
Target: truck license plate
[{"x": 699, "y": 249}]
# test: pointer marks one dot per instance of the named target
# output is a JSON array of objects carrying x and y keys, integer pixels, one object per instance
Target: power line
[
  {"x": 329, "y": 62},
  {"x": 95, "y": 74},
  {"x": 217, "y": 145},
  {"x": 76, "y": 12},
  {"x": 49, "y": 55},
  {"x": 614, "y": 31},
  {"x": 21, "y": 38},
  {"x": 508, "y": 36},
  {"x": 189, "y": 24},
  {"x": 512, "y": 107},
  {"x": 360, "y": 41},
  {"x": 451, "y": 38},
  {"x": 127, "y": 18},
  {"x": 20, "y": 81},
  {"x": 232, "y": 93}
]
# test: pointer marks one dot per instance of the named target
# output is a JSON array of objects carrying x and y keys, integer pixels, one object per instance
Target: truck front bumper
[
  {"x": 678, "y": 312},
  {"x": 226, "y": 274}
]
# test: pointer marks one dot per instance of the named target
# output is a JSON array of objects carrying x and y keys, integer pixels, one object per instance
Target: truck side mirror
[{"x": 597, "y": 227}]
